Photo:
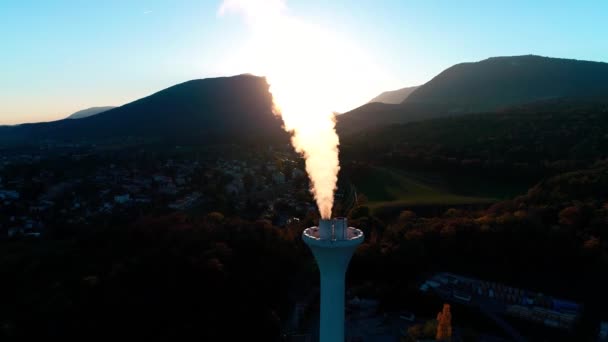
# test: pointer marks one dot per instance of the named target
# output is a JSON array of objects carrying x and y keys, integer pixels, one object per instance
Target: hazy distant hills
[
  {"x": 486, "y": 86},
  {"x": 224, "y": 110},
  {"x": 394, "y": 96},
  {"x": 85, "y": 113}
]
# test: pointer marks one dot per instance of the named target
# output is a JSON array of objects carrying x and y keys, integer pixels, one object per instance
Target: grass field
[{"x": 385, "y": 187}]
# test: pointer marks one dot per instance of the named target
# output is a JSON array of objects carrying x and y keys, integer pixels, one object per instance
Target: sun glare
[{"x": 312, "y": 73}]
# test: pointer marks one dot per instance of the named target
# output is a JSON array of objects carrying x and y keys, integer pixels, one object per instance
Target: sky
[{"x": 61, "y": 56}]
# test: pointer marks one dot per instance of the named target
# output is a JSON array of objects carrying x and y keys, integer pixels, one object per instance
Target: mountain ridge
[
  {"x": 219, "y": 109},
  {"x": 487, "y": 86},
  {"x": 502, "y": 81},
  {"x": 239, "y": 107}
]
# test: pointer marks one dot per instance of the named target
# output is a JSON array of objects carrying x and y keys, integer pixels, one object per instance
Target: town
[{"x": 73, "y": 186}]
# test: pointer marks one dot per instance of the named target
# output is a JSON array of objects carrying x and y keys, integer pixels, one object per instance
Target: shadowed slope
[
  {"x": 227, "y": 109},
  {"x": 504, "y": 81},
  {"x": 490, "y": 85}
]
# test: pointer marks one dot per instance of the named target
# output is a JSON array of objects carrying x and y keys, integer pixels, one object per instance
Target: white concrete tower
[{"x": 333, "y": 244}]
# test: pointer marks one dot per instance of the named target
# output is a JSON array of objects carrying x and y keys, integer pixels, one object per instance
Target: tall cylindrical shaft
[
  {"x": 332, "y": 308},
  {"x": 333, "y": 261},
  {"x": 333, "y": 244}
]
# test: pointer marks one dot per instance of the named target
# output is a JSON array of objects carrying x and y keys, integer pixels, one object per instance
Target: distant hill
[
  {"x": 504, "y": 81},
  {"x": 394, "y": 96},
  {"x": 85, "y": 113},
  {"x": 487, "y": 86},
  {"x": 223, "y": 110}
]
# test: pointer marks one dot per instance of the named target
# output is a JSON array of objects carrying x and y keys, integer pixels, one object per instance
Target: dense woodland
[
  {"x": 161, "y": 277},
  {"x": 528, "y": 142},
  {"x": 176, "y": 276}
]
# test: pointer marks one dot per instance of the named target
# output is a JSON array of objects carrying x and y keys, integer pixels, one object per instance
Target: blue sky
[{"x": 57, "y": 57}]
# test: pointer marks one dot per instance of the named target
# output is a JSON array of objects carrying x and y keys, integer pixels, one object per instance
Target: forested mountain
[
  {"x": 226, "y": 109},
  {"x": 499, "y": 82},
  {"x": 491, "y": 85}
]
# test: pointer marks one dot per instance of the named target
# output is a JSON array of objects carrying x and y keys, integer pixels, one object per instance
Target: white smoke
[{"x": 312, "y": 73}]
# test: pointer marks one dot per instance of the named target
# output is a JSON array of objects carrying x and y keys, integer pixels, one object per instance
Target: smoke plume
[{"x": 311, "y": 72}]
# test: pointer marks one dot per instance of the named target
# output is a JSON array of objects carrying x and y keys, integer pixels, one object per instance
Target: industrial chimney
[{"x": 333, "y": 243}]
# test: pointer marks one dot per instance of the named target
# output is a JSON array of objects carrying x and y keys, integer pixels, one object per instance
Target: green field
[{"x": 386, "y": 187}]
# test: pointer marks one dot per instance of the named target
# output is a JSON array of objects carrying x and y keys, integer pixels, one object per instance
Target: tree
[
  {"x": 415, "y": 331},
  {"x": 215, "y": 217},
  {"x": 358, "y": 212},
  {"x": 570, "y": 216},
  {"x": 429, "y": 329},
  {"x": 248, "y": 182},
  {"x": 444, "y": 324},
  {"x": 407, "y": 216}
]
